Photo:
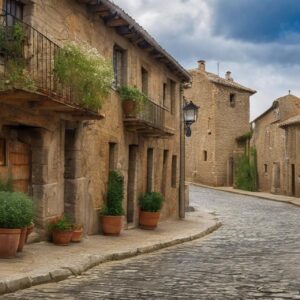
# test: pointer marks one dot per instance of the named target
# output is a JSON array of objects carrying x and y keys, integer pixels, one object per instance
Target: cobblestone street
[{"x": 254, "y": 255}]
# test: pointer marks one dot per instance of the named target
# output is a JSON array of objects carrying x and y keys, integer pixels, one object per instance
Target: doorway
[
  {"x": 293, "y": 180},
  {"x": 164, "y": 172},
  {"x": 131, "y": 185}
]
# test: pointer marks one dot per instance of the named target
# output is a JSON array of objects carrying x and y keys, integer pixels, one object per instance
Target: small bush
[
  {"x": 86, "y": 72},
  {"x": 63, "y": 224},
  {"x": 246, "y": 172},
  {"x": 151, "y": 202},
  {"x": 16, "y": 210},
  {"x": 115, "y": 195}
]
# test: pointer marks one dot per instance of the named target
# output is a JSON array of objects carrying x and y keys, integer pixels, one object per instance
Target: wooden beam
[{"x": 116, "y": 22}]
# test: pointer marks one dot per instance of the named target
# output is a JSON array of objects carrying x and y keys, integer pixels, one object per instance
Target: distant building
[
  {"x": 277, "y": 140},
  {"x": 223, "y": 120}
]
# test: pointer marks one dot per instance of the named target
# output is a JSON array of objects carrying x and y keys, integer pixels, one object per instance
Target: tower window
[{"x": 232, "y": 100}]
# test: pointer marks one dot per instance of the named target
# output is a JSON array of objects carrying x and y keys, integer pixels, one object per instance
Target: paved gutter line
[
  {"x": 240, "y": 192},
  {"x": 62, "y": 273}
]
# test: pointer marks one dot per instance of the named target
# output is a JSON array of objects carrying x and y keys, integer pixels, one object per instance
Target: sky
[{"x": 257, "y": 40}]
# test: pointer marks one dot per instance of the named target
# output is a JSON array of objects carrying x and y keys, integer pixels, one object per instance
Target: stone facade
[
  {"x": 223, "y": 117},
  {"x": 276, "y": 140},
  {"x": 69, "y": 158}
]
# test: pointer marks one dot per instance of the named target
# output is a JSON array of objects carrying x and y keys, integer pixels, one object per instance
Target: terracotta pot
[
  {"x": 129, "y": 108},
  {"x": 9, "y": 242},
  {"x": 22, "y": 239},
  {"x": 111, "y": 225},
  {"x": 29, "y": 231},
  {"x": 62, "y": 238},
  {"x": 76, "y": 236},
  {"x": 149, "y": 220}
]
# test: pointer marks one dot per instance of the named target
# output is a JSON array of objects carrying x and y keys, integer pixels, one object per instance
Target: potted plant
[
  {"x": 16, "y": 213},
  {"x": 132, "y": 100},
  {"x": 77, "y": 233},
  {"x": 150, "y": 206},
  {"x": 62, "y": 231},
  {"x": 111, "y": 216}
]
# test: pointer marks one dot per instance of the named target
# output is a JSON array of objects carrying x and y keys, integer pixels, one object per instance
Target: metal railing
[
  {"x": 37, "y": 55},
  {"x": 153, "y": 114}
]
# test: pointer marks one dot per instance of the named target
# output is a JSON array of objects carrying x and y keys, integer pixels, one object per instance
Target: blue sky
[{"x": 258, "y": 40}]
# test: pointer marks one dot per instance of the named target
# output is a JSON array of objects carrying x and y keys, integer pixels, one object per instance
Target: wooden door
[{"x": 20, "y": 163}]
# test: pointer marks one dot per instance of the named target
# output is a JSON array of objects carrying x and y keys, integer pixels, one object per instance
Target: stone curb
[
  {"x": 91, "y": 261},
  {"x": 240, "y": 192}
]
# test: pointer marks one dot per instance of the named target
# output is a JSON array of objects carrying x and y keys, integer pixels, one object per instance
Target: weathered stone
[
  {"x": 60, "y": 274},
  {"x": 40, "y": 278},
  {"x": 18, "y": 283}
]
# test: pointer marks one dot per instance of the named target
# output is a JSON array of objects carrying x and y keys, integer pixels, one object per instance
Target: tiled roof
[
  {"x": 291, "y": 121},
  {"x": 219, "y": 80}
]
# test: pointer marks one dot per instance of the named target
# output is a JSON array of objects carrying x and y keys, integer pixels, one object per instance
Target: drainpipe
[{"x": 182, "y": 160}]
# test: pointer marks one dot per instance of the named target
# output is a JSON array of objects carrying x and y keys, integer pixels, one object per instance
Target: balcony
[
  {"x": 36, "y": 54},
  {"x": 150, "y": 121}
]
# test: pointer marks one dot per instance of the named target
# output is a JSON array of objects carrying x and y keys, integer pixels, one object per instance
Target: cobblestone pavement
[{"x": 255, "y": 255}]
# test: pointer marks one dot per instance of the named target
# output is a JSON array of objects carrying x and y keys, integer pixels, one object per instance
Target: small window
[
  {"x": 145, "y": 81},
  {"x": 232, "y": 100},
  {"x": 205, "y": 155},
  {"x": 173, "y": 96},
  {"x": 174, "y": 171},
  {"x": 165, "y": 87},
  {"x": 2, "y": 152},
  {"x": 119, "y": 64},
  {"x": 14, "y": 8},
  {"x": 112, "y": 156},
  {"x": 266, "y": 168}
]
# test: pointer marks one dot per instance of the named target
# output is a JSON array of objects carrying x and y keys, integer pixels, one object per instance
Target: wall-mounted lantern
[{"x": 190, "y": 116}]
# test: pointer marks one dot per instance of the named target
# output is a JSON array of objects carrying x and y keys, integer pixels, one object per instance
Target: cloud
[{"x": 258, "y": 40}]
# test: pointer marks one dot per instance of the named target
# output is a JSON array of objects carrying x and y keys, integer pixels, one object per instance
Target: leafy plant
[
  {"x": 246, "y": 172},
  {"x": 16, "y": 210},
  {"x": 134, "y": 94},
  {"x": 151, "y": 202},
  {"x": 12, "y": 40},
  {"x": 63, "y": 224},
  {"x": 86, "y": 72},
  {"x": 6, "y": 185},
  {"x": 115, "y": 195}
]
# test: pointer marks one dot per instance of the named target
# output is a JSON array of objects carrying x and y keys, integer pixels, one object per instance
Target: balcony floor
[
  {"x": 146, "y": 129},
  {"x": 43, "y": 103}
]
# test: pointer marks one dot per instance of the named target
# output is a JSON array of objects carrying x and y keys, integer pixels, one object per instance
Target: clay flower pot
[
  {"x": 111, "y": 225},
  {"x": 76, "y": 236},
  {"x": 9, "y": 242},
  {"x": 22, "y": 239},
  {"x": 29, "y": 231},
  {"x": 149, "y": 220},
  {"x": 129, "y": 108},
  {"x": 62, "y": 238}
]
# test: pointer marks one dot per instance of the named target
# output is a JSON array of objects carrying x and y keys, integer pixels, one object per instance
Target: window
[
  {"x": 145, "y": 81},
  {"x": 174, "y": 171},
  {"x": 13, "y": 8},
  {"x": 165, "y": 87},
  {"x": 266, "y": 168},
  {"x": 173, "y": 95},
  {"x": 119, "y": 63},
  {"x": 112, "y": 156},
  {"x": 232, "y": 100},
  {"x": 205, "y": 155},
  {"x": 2, "y": 152}
]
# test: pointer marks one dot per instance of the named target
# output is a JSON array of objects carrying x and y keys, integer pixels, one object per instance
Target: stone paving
[{"x": 254, "y": 255}]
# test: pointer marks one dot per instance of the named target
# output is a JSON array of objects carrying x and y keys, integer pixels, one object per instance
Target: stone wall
[{"x": 214, "y": 134}]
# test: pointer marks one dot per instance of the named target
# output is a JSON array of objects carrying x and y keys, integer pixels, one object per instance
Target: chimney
[
  {"x": 228, "y": 76},
  {"x": 201, "y": 65}
]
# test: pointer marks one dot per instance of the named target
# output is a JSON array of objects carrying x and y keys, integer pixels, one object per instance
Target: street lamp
[{"x": 190, "y": 116}]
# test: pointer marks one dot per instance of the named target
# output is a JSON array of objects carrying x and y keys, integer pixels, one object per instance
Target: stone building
[
  {"x": 276, "y": 138},
  {"x": 223, "y": 119},
  {"x": 60, "y": 152}
]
